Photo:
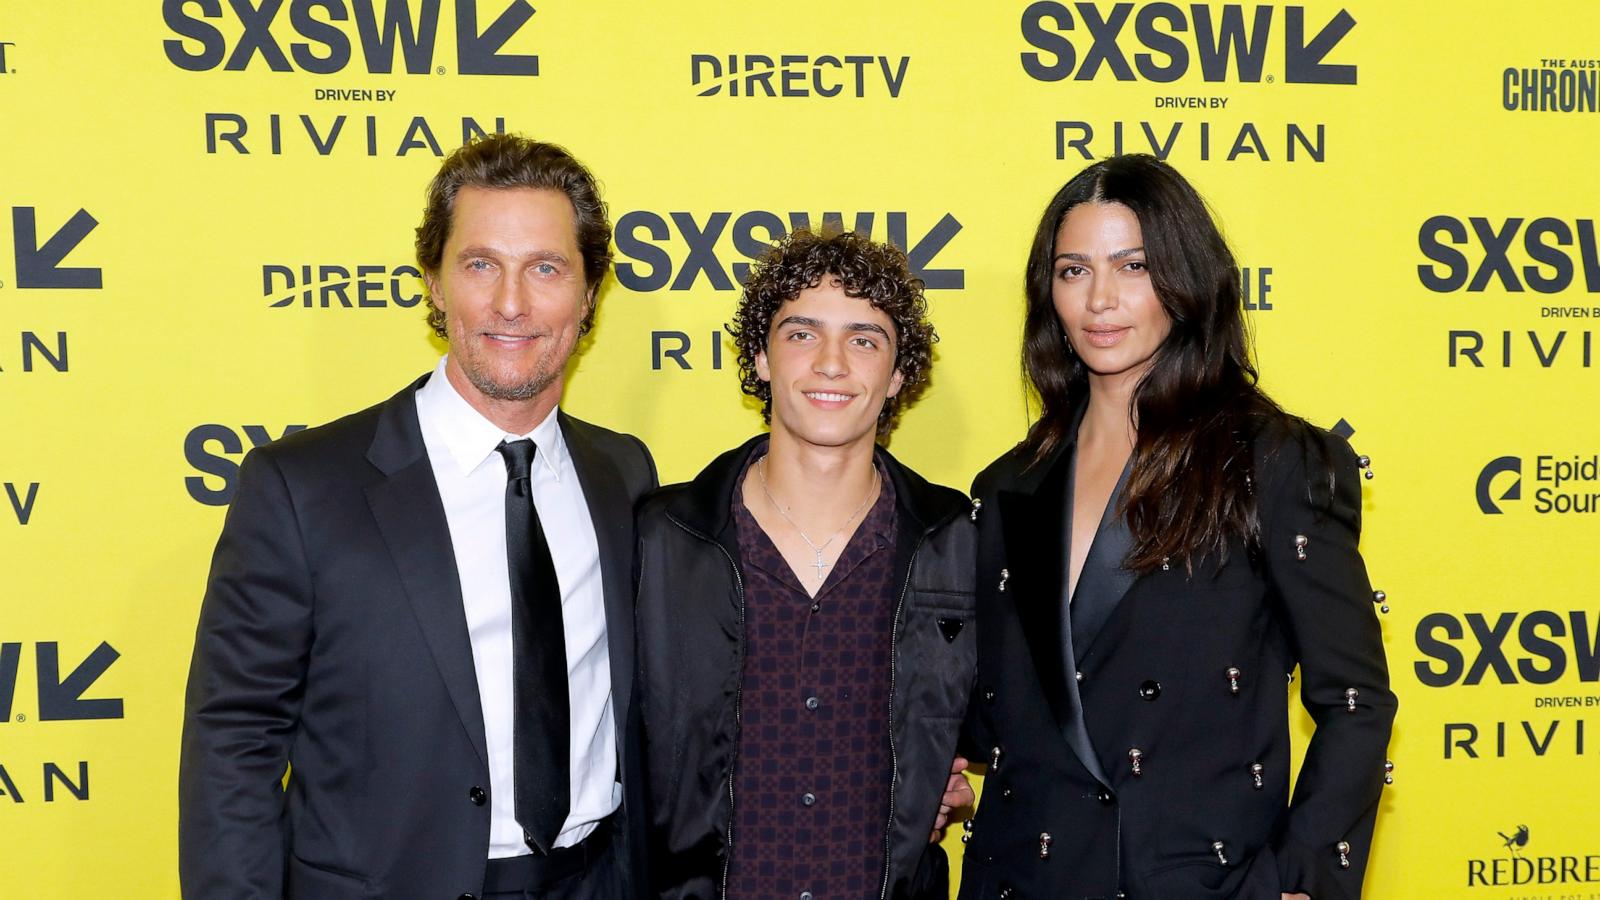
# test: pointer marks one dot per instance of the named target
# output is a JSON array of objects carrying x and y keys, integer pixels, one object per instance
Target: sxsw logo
[
  {"x": 1562, "y": 485},
  {"x": 60, "y": 699},
  {"x": 40, "y": 265},
  {"x": 1555, "y": 254},
  {"x": 797, "y": 75},
  {"x": 1084, "y": 40},
  {"x": 335, "y": 286},
  {"x": 322, "y": 37},
  {"x": 648, "y": 259},
  {"x": 222, "y": 462}
]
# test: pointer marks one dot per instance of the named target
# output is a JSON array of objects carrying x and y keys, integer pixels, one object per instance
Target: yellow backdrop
[{"x": 205, "y": 240}]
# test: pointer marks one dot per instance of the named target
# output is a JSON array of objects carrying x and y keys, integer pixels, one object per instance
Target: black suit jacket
[
  {"x": 333, "y": 640},
  {"x": 1058, "y": 711}
]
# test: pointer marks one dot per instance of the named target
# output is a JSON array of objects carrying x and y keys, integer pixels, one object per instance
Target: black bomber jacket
[{"x": 690, "y": 632}]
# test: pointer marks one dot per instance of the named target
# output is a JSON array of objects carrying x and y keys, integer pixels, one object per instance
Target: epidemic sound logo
[
  {"x": 1517, "y": 869},
  {"x": 1486, "y": 502},
  {"x": 797, "y": 75},
  {"x": 1562, "y": 485},
  {"x": 1556, "y": 85},
  {"x": 334, "y": 286},
  {"x": 324, "y": 45},
  {"x": 1164, "y": 56}
]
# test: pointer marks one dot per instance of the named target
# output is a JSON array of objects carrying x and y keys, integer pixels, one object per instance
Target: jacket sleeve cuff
[{"x": 1302, "y": 871}]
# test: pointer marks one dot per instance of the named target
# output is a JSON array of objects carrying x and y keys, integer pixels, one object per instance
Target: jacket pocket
[
  {"x": 313, "y": 881},
  {"x": 1197, "y": 879}
]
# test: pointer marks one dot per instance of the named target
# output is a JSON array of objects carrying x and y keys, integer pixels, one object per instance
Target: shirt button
[
  {"x": 805, "y": 895},
  {"x": 1150, "y": 690},
  {"x": 808, "y": 798},
  {"x": 478, "y": 796},
  {"x": 816, "y": 607},
  {"x": 1105, "y": 797},
  {"x": 812, "y": 703}
]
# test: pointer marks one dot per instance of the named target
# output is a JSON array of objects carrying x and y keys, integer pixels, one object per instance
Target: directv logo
[{"x": 796, "y": 75}]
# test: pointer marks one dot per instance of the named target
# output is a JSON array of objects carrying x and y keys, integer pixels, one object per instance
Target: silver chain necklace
[{"x": 819, "y": 565}]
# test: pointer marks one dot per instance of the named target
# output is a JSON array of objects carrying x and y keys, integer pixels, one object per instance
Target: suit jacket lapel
[
  {"x": 611, "y": 512},
  {"x": 411, "y": 518},
  {"x": 1036, "y": 522},
  {"x": 1103, "y": 580}
]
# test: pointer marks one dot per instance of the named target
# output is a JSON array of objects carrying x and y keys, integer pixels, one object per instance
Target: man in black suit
[{"x": 413, "y": 669}]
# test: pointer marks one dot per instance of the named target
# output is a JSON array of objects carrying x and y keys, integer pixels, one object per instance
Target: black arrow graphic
[
  {"x": 62, "y": 700},
  {"x": 1303, "y": 63},
  {"x": 40, "y": 267},
  {"x": 922, "y": 255},
  {"x": 479, "y": 54}
]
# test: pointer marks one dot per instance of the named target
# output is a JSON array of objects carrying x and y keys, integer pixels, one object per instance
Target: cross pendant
[{"x": 819, "y": 565}]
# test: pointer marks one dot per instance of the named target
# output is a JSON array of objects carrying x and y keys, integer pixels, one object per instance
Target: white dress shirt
[{"x": 472, "y": 483}]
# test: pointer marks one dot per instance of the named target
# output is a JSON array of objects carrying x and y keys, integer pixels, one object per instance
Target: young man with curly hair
[{"x": 804, "y": 608}]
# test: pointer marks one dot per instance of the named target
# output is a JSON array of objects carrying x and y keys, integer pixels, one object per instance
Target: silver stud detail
[
  {"x": 1217, "y": 848},
  {"x": 994, "y": 758},
  {"x": 1136, "y": 761},
  {"x": 1388, "y": 771},
  {"x": 1350, "y": 695},
  {"x": 1233, "y": 680},
  {"x": 1005, "y": 576},
  {"x": 1380, "y": 598},
  {"x": 1079, "y": 677},
  {"x": 1300, "y": 542},
  {"x": 1365, "y": 464},
  {"x": 1344, "y": 854},
  {"x": 976, "y": 505},
  {"x": 1255, "y": 774},
  {"x": 966, "y": 831},
  {"x": 1044, "y": 844}
]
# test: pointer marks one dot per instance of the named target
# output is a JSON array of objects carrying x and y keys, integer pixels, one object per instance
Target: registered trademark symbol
[
  {"x": 21, "y": 717},
  {"x": 1270, "y": 79},
  {"x": 440, "y": 70}
]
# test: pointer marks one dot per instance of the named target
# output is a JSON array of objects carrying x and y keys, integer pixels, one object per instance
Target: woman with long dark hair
[{"x": 1156, "y": 559}]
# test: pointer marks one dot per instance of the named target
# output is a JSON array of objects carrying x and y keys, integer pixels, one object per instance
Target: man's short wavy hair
[{"x": 875, "y": 272}]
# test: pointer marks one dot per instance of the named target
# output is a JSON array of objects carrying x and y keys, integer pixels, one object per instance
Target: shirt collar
[{"x": 470, "y": 438}]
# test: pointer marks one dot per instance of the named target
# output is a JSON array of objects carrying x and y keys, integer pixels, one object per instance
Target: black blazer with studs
[{"x": 1189, "y": 672}]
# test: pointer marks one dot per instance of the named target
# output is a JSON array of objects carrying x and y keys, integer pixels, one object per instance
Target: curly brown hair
[
  {"x": 875, "y": 272},
  {"x": 504, "y": 162}
]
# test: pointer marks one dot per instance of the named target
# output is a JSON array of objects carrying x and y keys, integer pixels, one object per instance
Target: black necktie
[{"x": 540, "y": 717}]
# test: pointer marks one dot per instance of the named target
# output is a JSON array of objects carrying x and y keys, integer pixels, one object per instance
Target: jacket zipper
[
  {"x": 738, "y": 694},
  {"x": 894, "y": 670},
  {"x": 738, "y": 702}
]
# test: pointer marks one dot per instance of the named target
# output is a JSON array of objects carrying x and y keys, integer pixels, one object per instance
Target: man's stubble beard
[{"x": 544, "y": 375}]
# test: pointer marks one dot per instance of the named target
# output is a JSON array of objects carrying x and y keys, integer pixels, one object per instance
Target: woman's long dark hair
[{"x": 1197, "y": 406}]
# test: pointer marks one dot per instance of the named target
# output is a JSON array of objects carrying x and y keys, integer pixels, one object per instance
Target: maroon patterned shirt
[{"x": 811, "y": 781}]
